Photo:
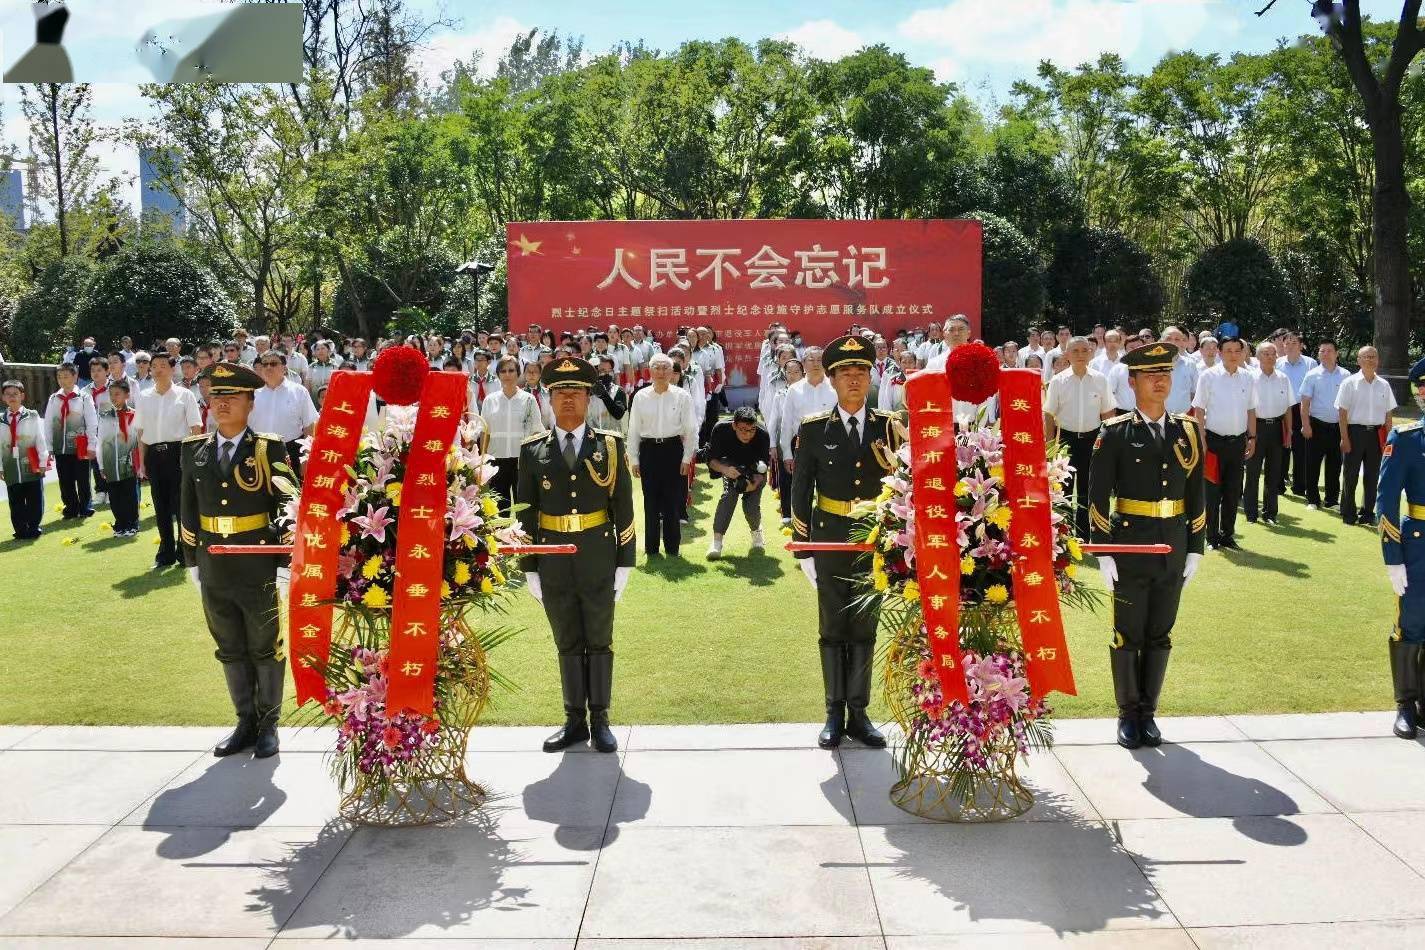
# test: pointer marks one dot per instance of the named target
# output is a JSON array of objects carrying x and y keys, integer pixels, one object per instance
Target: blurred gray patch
[
  {"x": 248, "y": 42},
  {"x": 46, "y": 60}
]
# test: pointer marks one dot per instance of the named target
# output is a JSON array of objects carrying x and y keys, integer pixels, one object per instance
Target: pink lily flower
[{"x": 373, "y": 524}]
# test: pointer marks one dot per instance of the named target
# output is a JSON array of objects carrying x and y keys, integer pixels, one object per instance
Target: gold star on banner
[
  {"x": 576, "y": 250},
  {"x": 527, "y": 247}
]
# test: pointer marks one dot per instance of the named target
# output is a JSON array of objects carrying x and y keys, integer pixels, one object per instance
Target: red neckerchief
[
  {"x": 124, "y": 415},
  {"x": 480, "y": 391},
  {"x": 98, "y": 391},
  {"x": 64, "y": 408},
  {"x": 15, "y": 429},
  {"x": 203, "y": 408}
]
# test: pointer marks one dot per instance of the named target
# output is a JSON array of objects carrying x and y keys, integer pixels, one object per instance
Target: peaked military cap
[
  {"x": 847, "y": 351},
  {"x": 1153, "y": 358},
  {"x": 230, "y": 378},
  {"x": 1417, "y": 373},
  {"x": 568, "y": 371}
]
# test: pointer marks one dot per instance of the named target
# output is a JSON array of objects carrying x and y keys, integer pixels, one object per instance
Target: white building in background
[{"x": 157, "y": 200}]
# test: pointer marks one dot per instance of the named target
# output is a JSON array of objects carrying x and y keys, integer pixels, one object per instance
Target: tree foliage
[
  {"x": 153, "y": 290},
  {"x": 43, "y": 323},
  {"x": 1100, "y": 275},
  {"x": 1243, "y": 283},
  {"x": 1013, "y": 279}
]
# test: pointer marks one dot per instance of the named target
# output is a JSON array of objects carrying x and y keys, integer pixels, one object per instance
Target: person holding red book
[
  {"x": 72, "y": 425},
  {"x": 23, "y": 449}
]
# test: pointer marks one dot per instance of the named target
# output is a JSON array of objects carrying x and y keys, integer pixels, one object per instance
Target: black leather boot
[
  {"x": 1124, "y": 664},
  {"x": 240, "y": 681},
  {"x": 572, "y": 682},
  {"x": 833, "y": 681},
  {"x": 1405, "y": 674},
  {"x": 601, "y": 688},
  {"x": 270, "y": 678},
  {"x": 1152, "y": 668},
  {"x": 859, "y": 660}
]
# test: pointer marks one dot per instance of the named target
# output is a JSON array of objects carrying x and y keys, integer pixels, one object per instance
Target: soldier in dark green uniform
[
  {"x": 1146, "y": 487},
  {"x": 840, "y": 458},
  {"x": 228, "y": 498},
  {"x": 576, "y": 488}
]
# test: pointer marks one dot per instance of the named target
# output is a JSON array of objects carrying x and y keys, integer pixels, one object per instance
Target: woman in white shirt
[
  {"x": 891, "y": 397},
  {"x": 510, "y": 415}
]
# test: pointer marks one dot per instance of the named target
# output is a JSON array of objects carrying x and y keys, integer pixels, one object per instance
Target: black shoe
[
  {"x": 1270, "y": 521},
  {"x": 240, "y": 739},
  {"x": 1405, "y": 722},
  {"x": 860, "y": 657},
  {"x": 860, "y": 728},
  {"x": 573, "y": 682},
  {"x": 162, "y": 565},
  {"x": 1405, "y": 674},
  {"x": 1123, "y": 664},
  {"x": 835, "y": 728},
  {"x": 1129, "y": 735},
  {"x": 574, "y": 731},
  {"x": 1251, "y": 519},
  {"x": 1229, "y": 544},
  {"x": 266, "y": 745},
  {"x": 600, "y": 668},
  {"x": 1152, "y": 670}
]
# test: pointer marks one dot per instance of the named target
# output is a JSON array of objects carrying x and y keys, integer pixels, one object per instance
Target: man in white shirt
[
  {"x": 282, "y": 407},
  {"x": 1226, "y": 405},
  {"x": 813, "y": 394},
  {"x": 1185, "y": 373},
  {"x": 1275, "y": 397},
  {"x": 246, "y": 352},
  {"x": 1365, "y": 402},
  {"x": 1295, "y": 364},
  {"x": 1112, "y": 353},
  {"x": 933, "y": 346},
  {"x": 1321, "y": 425},
  {"x": 662, "y": 439},
  {"x": 529, "y": 349},
  {"x": 164, "y": 416},
  {"x": 1076, "y": 404}
]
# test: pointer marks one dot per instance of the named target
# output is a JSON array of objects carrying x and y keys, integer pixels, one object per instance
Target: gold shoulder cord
[
  {"x": 1190, "y": 462},
  {"x": 607, "y": 479},
  {"x": 263, "y": 476}
]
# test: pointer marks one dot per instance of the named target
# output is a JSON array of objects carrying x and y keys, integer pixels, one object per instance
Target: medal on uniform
[
  {"x": 546, "y": 485},
  {"x": 598, "y": 456}
]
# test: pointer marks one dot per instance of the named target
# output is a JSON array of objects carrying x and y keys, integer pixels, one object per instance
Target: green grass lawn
[{"x": 1296, "y": 622}]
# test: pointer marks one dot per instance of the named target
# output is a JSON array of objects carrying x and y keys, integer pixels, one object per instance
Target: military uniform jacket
[
  {"x": 600, "y": 482},
  {"x": 1129, "y": 465},
  {"x": 1402, "y": 471},
  {"x": 246, "y": 495},
  {"x": 827, "y": 472}
]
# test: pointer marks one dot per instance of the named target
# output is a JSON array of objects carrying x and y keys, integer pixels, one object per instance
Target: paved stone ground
[{"x": 1260, "y": 831}]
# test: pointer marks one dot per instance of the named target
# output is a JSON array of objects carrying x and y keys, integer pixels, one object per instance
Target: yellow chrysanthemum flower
[
  {"x": 372, "y": 567},
  {"x": 961, "y": 489},
  {"x": 469, "y": 541},
  {"x": 393, "y": 492},
  {"x": 345, "y": 535},
  {"x": 1075, "y": 550},
  {"x": 874, "y": 533},
  {"x": 1070, "y": 570},
  {"x": 787, "y": 531},
  {"x": 911, "y": 591},
  {"x": 462, "y": 572},
  {"x": 488, "y": 505},
  {"x": 880, "y": 580},
  {"x": 498, "y": 574},
  {"x": 878, "y": 563},
  {"x": 486, "y": 587},
  {"x": 997, "y": 471},
  {"x": 967, "y": 565},
  {"x": 492, "y": 545},
  {"x": 997, "y": 594},
  {"x": 445, "y": 590},
  {"x": 1001, "y": 516},
  {"x": 375, "y": 596}
]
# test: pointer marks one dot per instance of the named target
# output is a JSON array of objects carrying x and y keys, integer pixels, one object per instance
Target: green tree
[
  {"x": 43, "y": 323},
  {"x": 1241, "y": 282},
  {"x": 1013, "y": 279},
  {"x": 64, "y": 177},
  {"x": 153, "y": 290},
  {"x": 1102, "y": 276}
]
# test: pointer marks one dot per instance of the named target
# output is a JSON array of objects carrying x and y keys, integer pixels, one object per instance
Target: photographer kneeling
[{"x": 739, "y": 451}]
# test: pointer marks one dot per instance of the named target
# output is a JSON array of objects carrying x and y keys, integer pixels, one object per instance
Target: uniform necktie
[
  {"x": 855, "y": 432},
  {"x": 227, "y": 458},
  {"x": 569, "y": 450}
]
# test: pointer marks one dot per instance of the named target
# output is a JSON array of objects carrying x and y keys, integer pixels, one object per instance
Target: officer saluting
[
  {"x": 228, "y": 498},
  {"x": 576, "y": 487},
  {"x": 1150, "y": 460},
  {"x": 840, "y": 458},
  {"x": 1403, "y": 543}
]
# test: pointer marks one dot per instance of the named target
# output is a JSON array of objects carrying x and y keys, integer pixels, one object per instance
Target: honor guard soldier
[
  {"x": 1403, "y": 542},
  {"x": 840, "y": 458},
  {"x": 1146, "y": 487},
  {"x": 575, "y": 487},
  {"x": 228, "y": 498}
]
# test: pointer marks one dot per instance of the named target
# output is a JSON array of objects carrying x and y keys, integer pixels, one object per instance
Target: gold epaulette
[
  {"x": 817, "y": 417},
  {"x": 1411, "y": 426},
  {"x": 1117, "y": 419},
  {"x": 271, "y": 436},
  {"x": 613, "y": 432},
  {"x": 195, "y": 438},
  {"x": 534, "y": 438},
  {"x": 1184, "y": 417},
  {"x": 883, "y": 413}
]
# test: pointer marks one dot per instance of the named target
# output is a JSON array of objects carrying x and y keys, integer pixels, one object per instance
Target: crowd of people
[{"x": 1275, "y": 418}]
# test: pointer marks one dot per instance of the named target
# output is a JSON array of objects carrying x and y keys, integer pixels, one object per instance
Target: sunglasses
[{"x": 507, "y": 370}]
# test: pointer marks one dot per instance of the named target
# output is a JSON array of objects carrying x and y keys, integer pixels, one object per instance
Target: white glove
[
  {"x": 193, "y": 576},
  {"x": 1190, "y": 567},
  {"x": 1396, "y": 573},
  {"x": 1109, "y": 570},
  {"x": 621, "y": 576},
  {"x": 531, "y": 584},
  {"x": 808, "y": 566},
  {"x": 284, "y": 581}
]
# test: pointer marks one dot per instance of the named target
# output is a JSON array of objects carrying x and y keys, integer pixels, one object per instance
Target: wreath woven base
[
  {"x": 964, "y": 797},
  {"x": 418, "y": 802}
]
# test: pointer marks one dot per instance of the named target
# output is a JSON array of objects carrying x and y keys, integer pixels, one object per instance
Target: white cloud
[
  {"x": 488, "y": 42},
  {"x": 824, "y": 39},
  {"x": 1068, "y": 32}
]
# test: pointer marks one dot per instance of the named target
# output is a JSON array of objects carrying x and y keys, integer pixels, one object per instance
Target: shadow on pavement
[{"x": 1178, "y": 776}]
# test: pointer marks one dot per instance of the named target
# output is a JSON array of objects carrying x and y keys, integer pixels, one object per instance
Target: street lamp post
[{"x": 475, "y": 268}]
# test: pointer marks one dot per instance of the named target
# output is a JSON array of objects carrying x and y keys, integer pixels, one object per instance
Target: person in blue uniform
[{"x": 1402, "y": 472}]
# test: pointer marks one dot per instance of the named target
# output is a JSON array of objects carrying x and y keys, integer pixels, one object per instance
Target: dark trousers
[
  {"x": 710, "y": 418},
  {"x": 1294, "y": 461},
  {"x": 1267, "y": 458},
  {"x": 243, "y": 623},
  {"x": 1324, "y": 447},
  {"x": 100, "y": 484},
  {"x": 1080, "y": 446},
  {"x": 73, "y": 474},
  {"x": 503, "y": 483},
  {"x": 1365, "y": 452},
  {"x": 161, "y": 461},
  {"x": 124, "y": 503},
  {"x": 841, "y": 620},
  {"x": 294, "y": 458},
  {"x": 1145, "y": 605},
  {"x": 664, "y": 490},
  {"x": 727, "y": 504},
  {"x": 784, "y": 491},
  {"x": 1223, "y": 499},
  {"x": 27, "y": 508}
]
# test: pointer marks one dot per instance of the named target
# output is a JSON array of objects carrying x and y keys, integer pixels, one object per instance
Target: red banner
[
  {"x": 1026, "y": 481},
  {"x": 737, "y": 277},
  {"x": 937, "y": 544},
  {"x": 317, "y": 536},
  {"x": 420, "y": 556}
]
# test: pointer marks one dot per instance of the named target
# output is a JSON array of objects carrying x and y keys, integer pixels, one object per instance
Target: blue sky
[{"x": 983, "y": 45}]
